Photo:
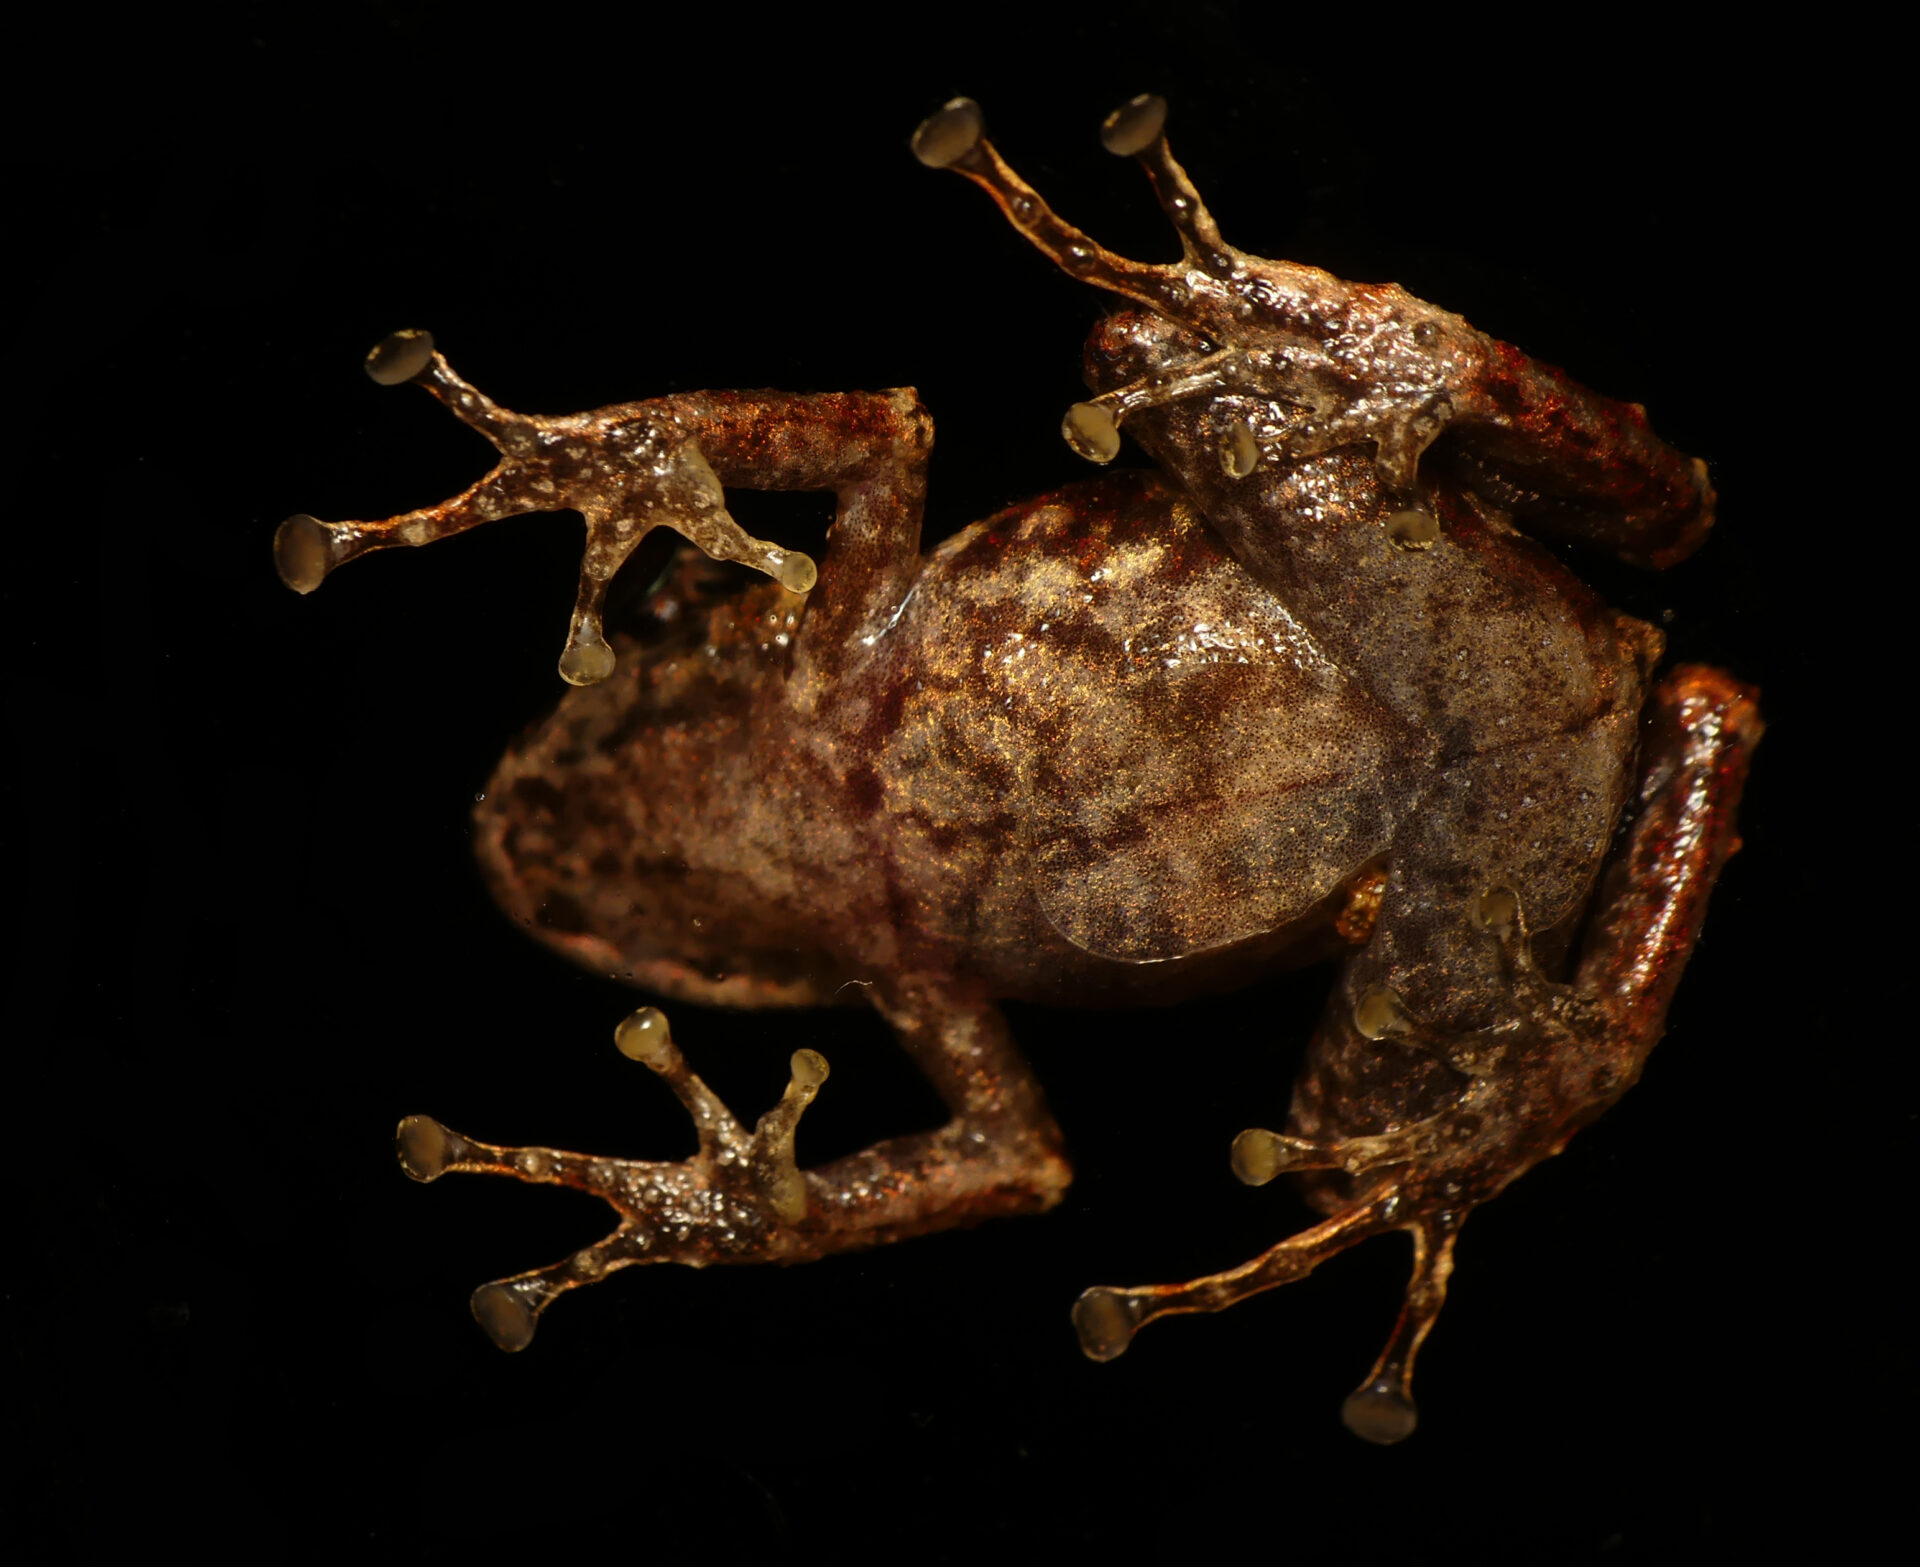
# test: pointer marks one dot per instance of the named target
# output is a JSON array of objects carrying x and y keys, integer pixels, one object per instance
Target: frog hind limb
[
  {"x": 1523, "y": 1105},
  {"x": 740, "y": 1198},
  {"x": 627, "y": 469}
]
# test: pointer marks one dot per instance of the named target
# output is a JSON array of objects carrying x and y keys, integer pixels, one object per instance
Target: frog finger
[
  {"x": 1138, "y": 129},
  {"x": 954, "y": 137}
]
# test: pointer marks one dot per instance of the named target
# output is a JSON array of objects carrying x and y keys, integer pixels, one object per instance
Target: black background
[{"x": 251, "y": 937}]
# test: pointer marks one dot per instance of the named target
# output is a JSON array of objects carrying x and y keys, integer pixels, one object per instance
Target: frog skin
[{"x": 1309, "y": 690}]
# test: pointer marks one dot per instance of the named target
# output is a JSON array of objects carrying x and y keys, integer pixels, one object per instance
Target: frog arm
[
  {"x": 633, "y": 467},
  {"x": 1334, "y": 364},
  {"x": 1569, "y": 463}
]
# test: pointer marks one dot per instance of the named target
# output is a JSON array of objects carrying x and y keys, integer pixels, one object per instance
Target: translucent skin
[{"x": 1307, "y": 690}]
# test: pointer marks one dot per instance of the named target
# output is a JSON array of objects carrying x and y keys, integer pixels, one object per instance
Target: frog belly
[{"x": 1187, "y": 768}]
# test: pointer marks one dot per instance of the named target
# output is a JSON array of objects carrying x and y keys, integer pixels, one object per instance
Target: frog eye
[
  {"x": 1497, "y": 910},
  {"x": 1380, "y": 1013},
  {"x": 1413, "y": 529}
]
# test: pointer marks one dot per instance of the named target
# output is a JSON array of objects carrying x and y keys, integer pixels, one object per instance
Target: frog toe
[
  {"x": 739, "y": 1199},
  {"x": 1107, "y": 1318},
  {"x": 1381, "y": 1409},
  {"x": 626, "y": 469}
]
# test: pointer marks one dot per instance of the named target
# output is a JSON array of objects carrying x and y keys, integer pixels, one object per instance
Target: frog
[{"x": 1313, "y": 687}]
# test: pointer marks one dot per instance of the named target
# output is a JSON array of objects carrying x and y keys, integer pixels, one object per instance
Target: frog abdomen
[{"x": 1173, "y": 762}]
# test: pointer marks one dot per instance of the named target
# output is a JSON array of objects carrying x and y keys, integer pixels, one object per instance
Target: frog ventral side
[{"x": 1309, "y": 689}]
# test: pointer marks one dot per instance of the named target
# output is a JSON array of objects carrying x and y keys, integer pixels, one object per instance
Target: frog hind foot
[
  {"x": 627, "y": 469},
  {"x": 1381, "y": 1409},
  {"x": 740, "y": 1198},
  {"x": 1524, "y": 1091}
]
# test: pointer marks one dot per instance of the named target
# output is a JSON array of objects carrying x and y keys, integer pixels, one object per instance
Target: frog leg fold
[
  {"x": 633, "y": 467},
  {"x": 1509, "y": 1095},
  {"x": 742, "y": 1197}
]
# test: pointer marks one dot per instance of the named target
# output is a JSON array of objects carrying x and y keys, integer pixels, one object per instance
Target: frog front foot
[
  {"x": 1289, "y": 362},
  {"x": 1273, "y": 362},
  {"x": 1273, "y": 406},
  {"x": 740, "y": 1198}
]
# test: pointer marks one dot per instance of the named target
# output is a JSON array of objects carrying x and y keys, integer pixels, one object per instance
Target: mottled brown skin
[{"x": 1142, "y": 738}]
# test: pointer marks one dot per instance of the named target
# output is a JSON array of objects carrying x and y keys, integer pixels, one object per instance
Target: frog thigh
[{"x": 1240, "y": 796}]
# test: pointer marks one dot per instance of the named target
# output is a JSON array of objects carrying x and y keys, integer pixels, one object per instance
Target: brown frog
[{"x": 1307, "y": 690}]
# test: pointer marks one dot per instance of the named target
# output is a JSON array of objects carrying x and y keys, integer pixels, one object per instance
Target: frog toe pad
[
  {"x": 626, "y": 469},
  {"x": 1381, "y": 1409}
]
